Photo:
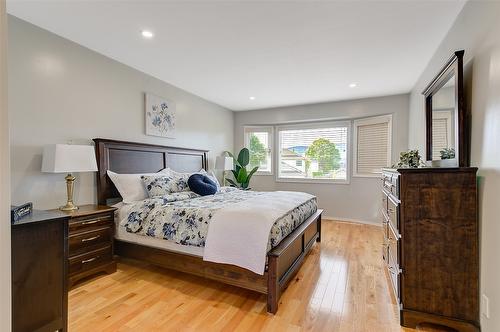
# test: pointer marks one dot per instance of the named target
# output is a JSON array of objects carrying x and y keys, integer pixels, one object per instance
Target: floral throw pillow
[{"x": 164, "y": 184}]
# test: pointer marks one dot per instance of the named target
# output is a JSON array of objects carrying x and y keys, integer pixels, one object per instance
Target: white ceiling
[{"x": 282, "y": 53}]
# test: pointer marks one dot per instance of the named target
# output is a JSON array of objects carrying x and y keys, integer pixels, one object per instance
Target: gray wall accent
[
  {"x": 357, "y": 201},
  {"x": 476, "y": 30},
  {"x": 5, "y": 278},
  {"x": 61, "y": 91}
]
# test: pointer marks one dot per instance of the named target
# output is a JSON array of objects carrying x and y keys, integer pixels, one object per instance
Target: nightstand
[
  {"x": 90, "y": 241},
  {"x": 39, "y": 273}
]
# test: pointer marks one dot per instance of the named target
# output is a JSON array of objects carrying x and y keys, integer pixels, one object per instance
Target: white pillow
[{"x": 130, "y": 186}]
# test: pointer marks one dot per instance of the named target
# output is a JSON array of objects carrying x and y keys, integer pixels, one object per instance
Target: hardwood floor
[{"x": 341, "y": 287}]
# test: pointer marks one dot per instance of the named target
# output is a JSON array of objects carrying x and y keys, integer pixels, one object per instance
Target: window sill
[
  {"x": 263, "y": 173},
  {"x": 367, "y": 175},
  {"x": 312, "y": 181}
]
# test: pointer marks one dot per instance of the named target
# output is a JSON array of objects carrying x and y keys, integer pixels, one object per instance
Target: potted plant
[
  {"x": 409, "y": 159},
  {"x": 241, "y": 175}
]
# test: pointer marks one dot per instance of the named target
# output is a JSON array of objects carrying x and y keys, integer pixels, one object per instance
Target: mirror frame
[{"x": 454, "y": 66}]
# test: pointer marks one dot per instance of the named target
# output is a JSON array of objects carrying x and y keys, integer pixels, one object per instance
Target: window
[
  {"x": 372, "y": 145},
  {"x": 314, "y": 152},
  {"x": 441, "y": 132},
  {"x": 258, "y": 140}
]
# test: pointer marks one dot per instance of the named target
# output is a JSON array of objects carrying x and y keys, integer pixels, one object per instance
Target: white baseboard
[{"x": 366, "y": 222}]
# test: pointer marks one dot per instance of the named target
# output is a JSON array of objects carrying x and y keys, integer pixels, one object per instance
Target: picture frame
[{"x": 159, "y": 116}]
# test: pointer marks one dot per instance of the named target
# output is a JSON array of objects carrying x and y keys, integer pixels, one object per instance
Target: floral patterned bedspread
[{"x": 184, "y": 217}]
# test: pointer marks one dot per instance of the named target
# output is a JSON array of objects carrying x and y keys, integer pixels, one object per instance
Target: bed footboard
[{"x": 286, "y": 259}]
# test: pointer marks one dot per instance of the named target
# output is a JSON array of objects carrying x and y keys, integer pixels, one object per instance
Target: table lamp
[
  {"x": 66, "y": 158},
  {"x": 225, "y": 164}
]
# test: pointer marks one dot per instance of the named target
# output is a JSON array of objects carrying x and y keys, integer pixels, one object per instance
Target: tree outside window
[
  {"x": 258, "y": 151},
  {"x": 326, "y": 154}
]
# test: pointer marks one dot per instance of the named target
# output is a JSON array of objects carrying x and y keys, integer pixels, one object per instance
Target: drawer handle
[
  {"x": 91, "y": 222},
  {"x": 395, "y": 271},
  {"x": 94, "y": 221},
  {"x": 91, "y": 238},
  {"x": 89, "y": 260}
]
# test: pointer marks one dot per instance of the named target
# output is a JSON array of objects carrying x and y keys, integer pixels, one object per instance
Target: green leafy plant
[
  {"x": 409, "y": 159},
  {"x": 447, "y": 153},
  {"x": 241, "y": 175}
]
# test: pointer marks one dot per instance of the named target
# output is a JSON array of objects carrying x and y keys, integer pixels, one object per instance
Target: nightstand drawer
[
  {"x": 87, "y": 223},
  {"x": 87, "y": 241},
  {"x": 87, "y": 261}
]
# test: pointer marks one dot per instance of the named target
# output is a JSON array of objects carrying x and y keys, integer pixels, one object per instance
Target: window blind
[
  {"x": 313, "y": 152},
  {"x": 372, "y": 147},
  {"x": 439, "y": 137}
]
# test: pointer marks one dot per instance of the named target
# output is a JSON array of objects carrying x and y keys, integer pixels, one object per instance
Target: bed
[{"x": 283, "y": 259}]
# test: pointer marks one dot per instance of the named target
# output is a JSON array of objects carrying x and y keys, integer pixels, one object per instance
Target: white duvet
[{"x": 239, "y": 234}]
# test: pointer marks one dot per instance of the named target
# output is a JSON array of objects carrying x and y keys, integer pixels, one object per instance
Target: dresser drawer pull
[
  {"x": 94, "y": 221},
  {"x": 91, "y": 222},
  {"x": 395, "y": 271},
  {"x": 91, "y": 238},
  {"x": 90, "y": 260}
]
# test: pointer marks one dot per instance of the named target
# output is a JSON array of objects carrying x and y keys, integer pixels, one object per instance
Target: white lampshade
[
  {"x": 224, "y": 163},
  {"x": 66, "y": 158}
]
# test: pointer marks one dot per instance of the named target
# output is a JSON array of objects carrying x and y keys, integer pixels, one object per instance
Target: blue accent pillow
[{"x": 202, "y": 185}]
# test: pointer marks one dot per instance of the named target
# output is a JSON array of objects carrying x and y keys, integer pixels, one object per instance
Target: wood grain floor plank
[{"x": 342, "y": 286}]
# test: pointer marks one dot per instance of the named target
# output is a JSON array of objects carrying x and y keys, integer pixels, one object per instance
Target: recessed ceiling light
[
  {"x": 353, "y": 85},
  {"x": 147, "y": 34},
  {"x": 251, "y": 98}
]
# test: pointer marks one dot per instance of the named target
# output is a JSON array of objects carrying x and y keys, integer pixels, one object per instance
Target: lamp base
[
  {"x": 68, "y": 207},
  {"x": 70, "y": 179}
]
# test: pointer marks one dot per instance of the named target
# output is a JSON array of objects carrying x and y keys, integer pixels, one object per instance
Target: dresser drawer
[
  {"x": 390, "y": 183},
  {"x": 384, "y": 202},
  {"x": 393, "y": 261},
  {"x": 89, "y": 260},
  {"x": 87, "y": 223},
  {"x": 393, "y": 214},
  {"x": 394, "y": 276},
  {"x": 393, "y": 247},
  {"x": 385, "y": 244},
  {"x": 87, "y": 241}
]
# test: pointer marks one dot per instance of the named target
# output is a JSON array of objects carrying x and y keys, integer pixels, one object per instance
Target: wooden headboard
[{"x": 131, "y": 157}]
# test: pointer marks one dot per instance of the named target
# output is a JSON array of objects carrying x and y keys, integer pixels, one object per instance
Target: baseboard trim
[{"x": 356, "y": 221}]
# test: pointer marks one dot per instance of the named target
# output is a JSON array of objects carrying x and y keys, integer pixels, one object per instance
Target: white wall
[
  {"x": 477, "y": 30},
  {"x": 61, "y": 91},
  {"x": 359, "y": 200},
  {"x": 5, "y": 282}
]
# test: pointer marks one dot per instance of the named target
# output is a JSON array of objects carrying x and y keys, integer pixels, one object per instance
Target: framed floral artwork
[{"x": 160, "y": 116}]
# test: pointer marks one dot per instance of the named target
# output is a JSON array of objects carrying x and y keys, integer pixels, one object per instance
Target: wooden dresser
[
  {"x": 431, "y": 245},
  {"x": 39, "y": 273},
  {"x": 91, "y": 230}
]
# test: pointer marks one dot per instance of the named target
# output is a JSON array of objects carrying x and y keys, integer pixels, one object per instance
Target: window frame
[
  {"x": 270, "y": 132},
  {"x": 370, "y": 121},
  {"x": 315, "y": 125}
]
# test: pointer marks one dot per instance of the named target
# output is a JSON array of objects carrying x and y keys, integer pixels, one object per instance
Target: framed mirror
[{"x": 446, "y": 127}]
